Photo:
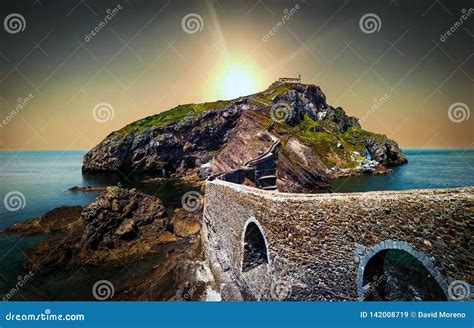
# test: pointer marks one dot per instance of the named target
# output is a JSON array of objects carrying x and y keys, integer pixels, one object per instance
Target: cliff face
[{"x": 318, "y": 141}]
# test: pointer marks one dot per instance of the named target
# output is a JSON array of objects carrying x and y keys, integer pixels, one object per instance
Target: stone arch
[
  {"x": 367, "y": 258},
  {"x": 254, "y": 246}
]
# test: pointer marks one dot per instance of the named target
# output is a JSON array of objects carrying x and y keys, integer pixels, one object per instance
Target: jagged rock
[
  {"x": 185, "y": 223},
  {"x": 385, "y": 151},
  {"x": 318, "y": 128},
  {"x": 126, "y": 228},
  {"x": 300, "y": 169},
  {"x": 52, "y": 221},
  {"x": 120, "y": 213},
  {"x": 187, "y": 143},
  {"x": 197, "y": 141}
]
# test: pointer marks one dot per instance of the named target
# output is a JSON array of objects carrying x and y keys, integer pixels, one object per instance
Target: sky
[{"x": 388, "y": 62}]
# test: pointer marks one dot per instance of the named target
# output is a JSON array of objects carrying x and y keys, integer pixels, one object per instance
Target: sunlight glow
[
  {"x": 234, "y": 78},
  {"x": 237, "y": 82}
]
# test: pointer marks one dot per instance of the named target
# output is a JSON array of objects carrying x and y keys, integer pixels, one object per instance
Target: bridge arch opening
[
  {"x": 400, "y": 274},
  {"x": 255, "y": 249}
]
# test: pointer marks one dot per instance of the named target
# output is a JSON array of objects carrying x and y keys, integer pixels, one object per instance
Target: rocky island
[
  {"x": 317, "y": 141},
  {"x": 286, "y": 138}
]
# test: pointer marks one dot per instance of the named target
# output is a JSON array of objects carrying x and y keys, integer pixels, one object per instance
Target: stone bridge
[{"x": 266, "y": 245}]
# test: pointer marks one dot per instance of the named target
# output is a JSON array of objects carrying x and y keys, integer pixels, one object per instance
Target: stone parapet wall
[{"x": 318, "y": 244}]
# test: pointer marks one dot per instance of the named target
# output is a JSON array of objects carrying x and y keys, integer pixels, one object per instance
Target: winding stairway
[
  {"x": 264, "y": 164},
  {"x": 265, "y": 167}
]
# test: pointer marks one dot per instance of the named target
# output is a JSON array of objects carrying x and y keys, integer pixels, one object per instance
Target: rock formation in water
[
  {"x": 318, "y": 141},
  {"x": 119, "y": 228},
  {"x": 119, "y": 215}
]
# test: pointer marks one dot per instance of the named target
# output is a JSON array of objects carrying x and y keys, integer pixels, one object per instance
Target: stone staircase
[{"x": 264, "y": 165}]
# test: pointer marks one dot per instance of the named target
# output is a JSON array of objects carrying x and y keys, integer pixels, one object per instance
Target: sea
[{"x": 33, "y": 182}]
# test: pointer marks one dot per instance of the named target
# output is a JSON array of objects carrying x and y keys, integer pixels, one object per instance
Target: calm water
[
  {"x": 44, "y": 177},
  {"x": 425, "y": 169}
]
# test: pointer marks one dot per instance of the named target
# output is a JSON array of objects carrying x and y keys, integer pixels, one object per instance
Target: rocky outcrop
[
  {"x": 201, "y": 140},
  {"x": 55, "y": 220},
  {"x": 386, "y": 151},
  {"x": 300, "y": 169},
  {"x": 120, "y": 214},
  {"x": 181, "y": 145},
  {"x": 120, "y": 229}
]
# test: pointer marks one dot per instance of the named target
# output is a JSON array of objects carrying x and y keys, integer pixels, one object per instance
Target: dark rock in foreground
[
  {"x": 120, "y": 214},
  {"x": 55, "y": 220},
  {"x": 120, "y": 228}
]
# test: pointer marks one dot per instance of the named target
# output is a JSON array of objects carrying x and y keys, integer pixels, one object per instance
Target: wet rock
[
  {"x": 118, "y": 213},
  {"x": 52, "y": 221},
  {"x": 185, "y": 224},
  {"x": 385, "y": 151},
  {"x": 125, "y": 228}
]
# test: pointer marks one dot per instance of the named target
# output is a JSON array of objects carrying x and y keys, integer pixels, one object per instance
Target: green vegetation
[
  {"x": 333, "y": 147},
  {"x": 355, "y": 135},
  {"x": 325, "y": 144},
  {"x": 274, "y": 90},
  {"x": 180, "y": 112},
  {"x": 172, "y": 115}
]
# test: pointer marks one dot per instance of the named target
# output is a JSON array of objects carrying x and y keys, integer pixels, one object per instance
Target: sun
[
  {"x": 237, "y": 82},
  {"x": 236, "y": 79}
]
